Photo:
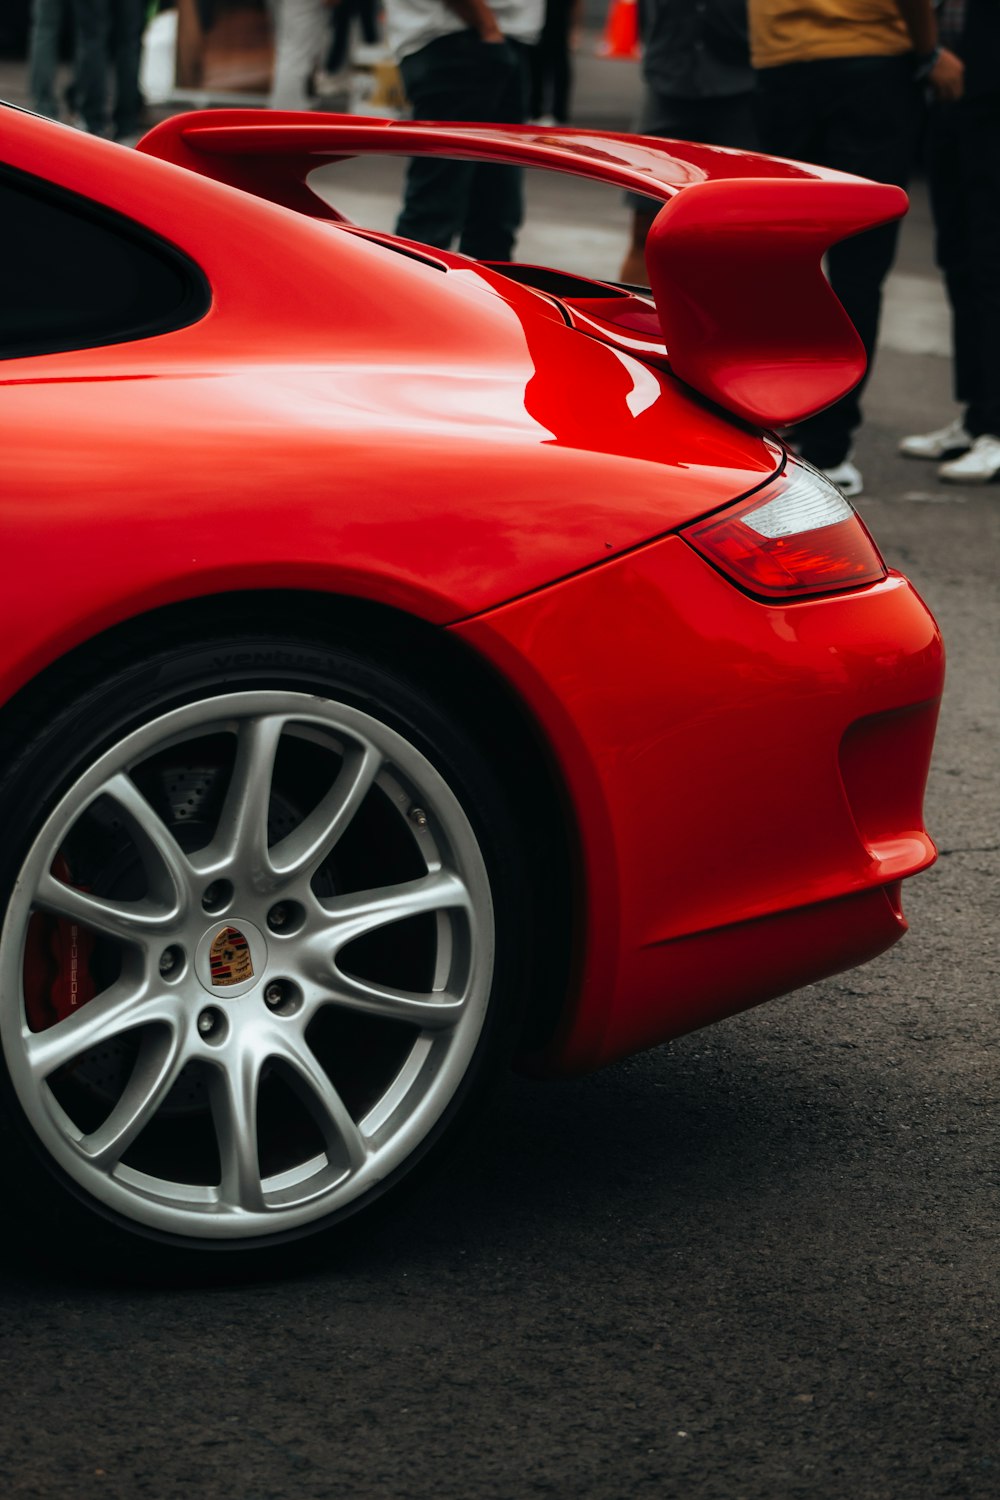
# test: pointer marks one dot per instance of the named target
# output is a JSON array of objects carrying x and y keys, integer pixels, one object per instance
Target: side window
[{"x": 74, "y": 276}]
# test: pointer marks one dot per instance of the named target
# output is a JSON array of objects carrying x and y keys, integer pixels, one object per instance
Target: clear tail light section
[{"x": 795, "y": 538}]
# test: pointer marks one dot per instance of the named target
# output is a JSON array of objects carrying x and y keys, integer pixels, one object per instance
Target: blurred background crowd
[{"x": 871, "y": 87}]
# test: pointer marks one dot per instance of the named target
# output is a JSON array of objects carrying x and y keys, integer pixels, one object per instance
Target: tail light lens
[{"x": 798, "y": 536}]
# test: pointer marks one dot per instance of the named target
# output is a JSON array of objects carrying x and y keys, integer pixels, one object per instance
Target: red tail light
[{"x": 798, "y": 536}]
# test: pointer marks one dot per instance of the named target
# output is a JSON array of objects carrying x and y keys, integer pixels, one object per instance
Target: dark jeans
[
  {"x": 128, "y": 22},
  {"x": 963, "y": 169},
  {"x": 90, "y": 31},
  {"x": 855, "y": 114},
  {"x": 97, "y": 25},
  {"x": 343, "y": 14},
  {"x": 459, "y": 77},
  {"x": 551, "y": 74}
]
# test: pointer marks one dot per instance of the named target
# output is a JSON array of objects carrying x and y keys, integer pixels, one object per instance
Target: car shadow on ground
[{"x": 755, "y": 1121}]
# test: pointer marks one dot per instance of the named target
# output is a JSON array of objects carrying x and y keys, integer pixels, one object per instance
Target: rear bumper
[{"x": 745, "y": 782}]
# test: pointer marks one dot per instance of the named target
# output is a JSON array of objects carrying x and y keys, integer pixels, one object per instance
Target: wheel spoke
[
  {"x": 233, "y": 1097},
  {"x": 156, "y": 1070},
  {"x": 130, "y": 921},
  {"x": 355, "y": 915},
  {"x": 361, "y": 912},
  {"x": 199, "y": 1112},
  {"x": 241, "y": 835},
  {"x": 319, "y": 1096},
  {"x": 166, "y": 866},
  {"x": 121, "y": 1008},
  {"x": 431, "y": 1012},
  {"x": 304, "y": 849}
]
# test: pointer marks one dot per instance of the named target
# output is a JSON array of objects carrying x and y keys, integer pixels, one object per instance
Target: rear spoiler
[{"x": 734, "y": 255}]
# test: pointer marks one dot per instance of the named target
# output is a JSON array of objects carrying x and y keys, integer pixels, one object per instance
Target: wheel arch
[{"x": 446, "y": 667}]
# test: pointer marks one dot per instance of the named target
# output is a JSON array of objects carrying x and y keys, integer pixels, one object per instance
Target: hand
[
  {"x": 947, "y": 77},
  {"x": 477, "y": 15}
]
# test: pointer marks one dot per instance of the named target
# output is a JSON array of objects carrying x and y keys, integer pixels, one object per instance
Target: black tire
[{"x": 122, "y": 844}]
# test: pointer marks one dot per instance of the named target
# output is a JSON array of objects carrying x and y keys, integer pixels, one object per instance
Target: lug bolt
[
  {"x": 207, "y": 1022},
  {"x": 217, "y": 895},
  {"x": 286, "y": 917},
  {"x": 418, "y": 816},
  {"x": 169, "y": 959},
  {"x": 274, "y": 995}
]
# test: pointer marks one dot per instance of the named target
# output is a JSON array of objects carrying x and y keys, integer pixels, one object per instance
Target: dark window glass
[{"x": 73, "y": 275}]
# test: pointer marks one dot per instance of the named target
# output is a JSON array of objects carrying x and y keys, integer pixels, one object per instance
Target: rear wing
[{"x": 734, "y": 255}]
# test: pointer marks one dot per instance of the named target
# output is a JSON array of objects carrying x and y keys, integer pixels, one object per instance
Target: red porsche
[{"x": 411, "y": 664}]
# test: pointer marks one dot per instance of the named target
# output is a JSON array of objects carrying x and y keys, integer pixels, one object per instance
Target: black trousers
[
  {"x": 855, "y": 114},
  {"x": 344, "y": 12},
  {"x": 963, "y": 170},
  {"x": 459, "y": 77},
  {"x": 551, "y": 73}
]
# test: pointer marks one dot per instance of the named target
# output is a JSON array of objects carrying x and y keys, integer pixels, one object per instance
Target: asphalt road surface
[{"x": 760, "y": 1264}]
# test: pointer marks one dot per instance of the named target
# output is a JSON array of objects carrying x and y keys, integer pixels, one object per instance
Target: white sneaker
[
  {"x": 944, "y": 442},
  {"x": 847, "y": 478},
  {"x": 366, "y": 56},
  {"x": 978, "y": 466},
  {"x": 329, "y": 85}
]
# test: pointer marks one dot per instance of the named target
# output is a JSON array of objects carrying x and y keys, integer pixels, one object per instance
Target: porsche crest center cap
[{"x": 231, "y": 959}]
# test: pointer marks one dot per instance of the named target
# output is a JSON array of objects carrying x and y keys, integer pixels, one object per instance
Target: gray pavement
[{"x": 760, "y": 1264}]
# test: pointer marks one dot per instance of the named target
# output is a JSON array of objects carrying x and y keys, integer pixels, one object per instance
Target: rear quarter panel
[{"x": 342, "y": 419}]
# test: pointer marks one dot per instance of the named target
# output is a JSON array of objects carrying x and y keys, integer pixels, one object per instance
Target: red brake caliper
[{"x": 57, "y": 953}]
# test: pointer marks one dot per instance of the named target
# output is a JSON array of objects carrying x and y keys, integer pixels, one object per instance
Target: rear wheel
[{"x": 262, "y": 944}]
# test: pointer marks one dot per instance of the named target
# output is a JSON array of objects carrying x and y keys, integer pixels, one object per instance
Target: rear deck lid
[{"x": 734, "y": 256}]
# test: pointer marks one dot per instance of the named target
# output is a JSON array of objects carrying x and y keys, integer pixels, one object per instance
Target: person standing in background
[
  {"x": 301, "y": 29},
  {"x": 90, "y": 46},
  {"x": 103, "y": 31},
  {"x": 840, "y": 84},
  {"x": 128, "y": 22},
  {"x": 345, "y": 13},
  {"x": 963, "y": 170},
  {"x": 464, "y": 60},
  {"x": 699, "y": 86},
  {"x": 551, "y": 69}
]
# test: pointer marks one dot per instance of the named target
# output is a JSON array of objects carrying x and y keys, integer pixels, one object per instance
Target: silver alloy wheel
[{"x": 229, "y": 955}]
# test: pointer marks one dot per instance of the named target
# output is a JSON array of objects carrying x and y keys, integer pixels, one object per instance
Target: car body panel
[
  {"x": 272, "y": 406},
  {"x": 742, "y": 781},
  {"x": 287, "y": 450},
  {"x": 736, "y": 230},
  {"x": 702, "y": 699}
]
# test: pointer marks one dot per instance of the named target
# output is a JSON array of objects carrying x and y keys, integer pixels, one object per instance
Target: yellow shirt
[{"x": 786, "y": 31}]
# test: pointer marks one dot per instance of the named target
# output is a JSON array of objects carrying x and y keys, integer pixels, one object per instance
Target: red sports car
[{"x": 409, "y": 664}]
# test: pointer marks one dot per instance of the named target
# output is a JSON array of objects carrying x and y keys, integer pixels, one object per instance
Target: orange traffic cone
[{"x": 621, "y": 32}]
